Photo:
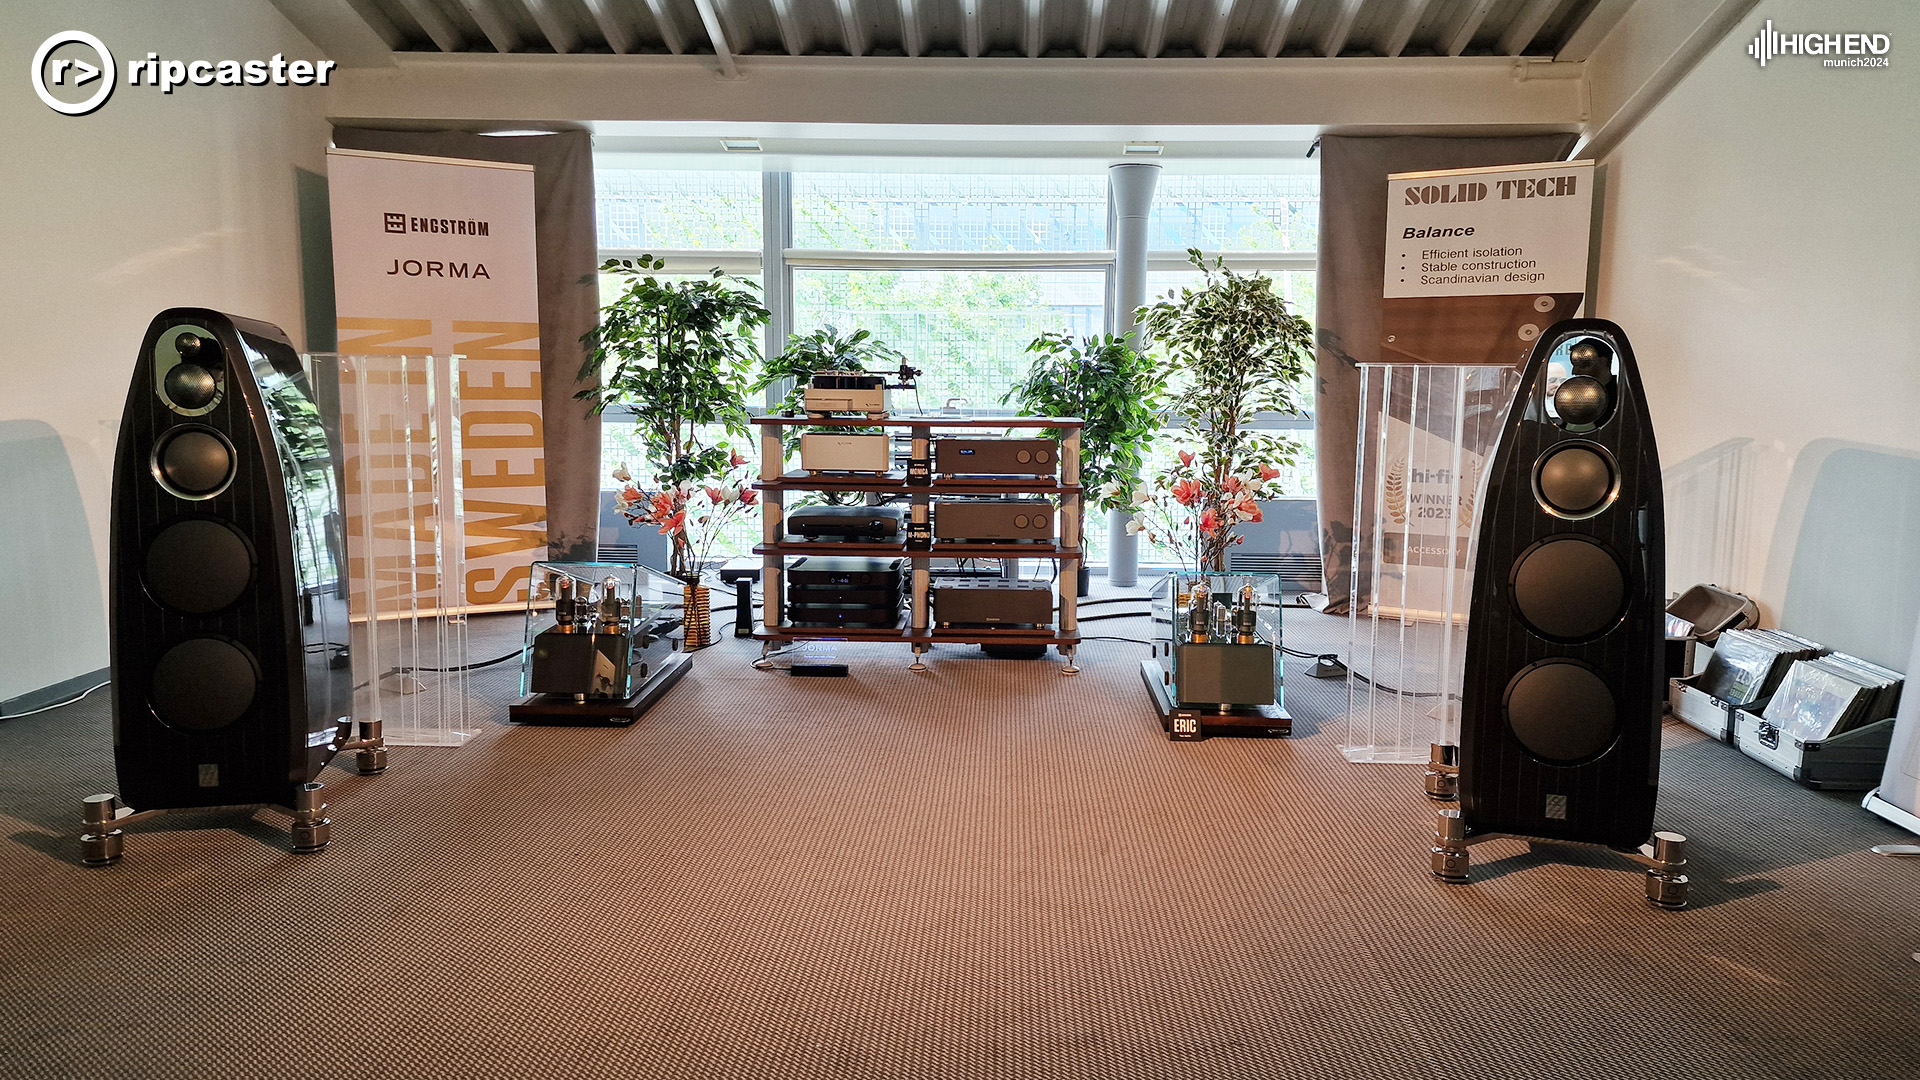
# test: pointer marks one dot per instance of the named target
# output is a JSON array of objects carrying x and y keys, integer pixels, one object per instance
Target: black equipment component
[
  {"x": 843, "y": 570},
  {"x": 993, "y": 603},
  {"x": 993, "y": 520},
  {"x": 860, "y": 523},
  {"x": 957, "y": 456},
  {"x": 1560, "y": 727},
  {"x": 227, "y": 581}
]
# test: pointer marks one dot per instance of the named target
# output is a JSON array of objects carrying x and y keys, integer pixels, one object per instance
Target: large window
[{"x": 959, "y": 271}]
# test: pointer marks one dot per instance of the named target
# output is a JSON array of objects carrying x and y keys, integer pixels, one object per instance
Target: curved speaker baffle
[
  {"x": 1563, "y": 686},
  {"x": 227, "y": 620}
]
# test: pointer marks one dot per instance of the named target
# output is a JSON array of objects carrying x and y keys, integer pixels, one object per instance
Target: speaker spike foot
[
  {"x": 1443, "y": 772},
  {"x": 102, "y": 841},
  {"x": 312, "y": 831}
]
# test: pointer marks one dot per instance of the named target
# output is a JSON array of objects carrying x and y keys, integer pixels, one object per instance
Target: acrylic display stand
[
  {"x": 404, "y": 532},
  {"x": 1425, "y": 431}
]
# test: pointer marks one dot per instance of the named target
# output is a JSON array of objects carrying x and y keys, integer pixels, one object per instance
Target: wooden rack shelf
[{"x": 919, "y": 631}]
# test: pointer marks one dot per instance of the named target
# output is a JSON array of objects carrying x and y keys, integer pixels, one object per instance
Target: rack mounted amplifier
[
  {"x": 842, "y": 570},
  {"x": 1009, "y": 520},
  {"x": 830, "y": 451},
  {"x": 856, "y": 523},
  {"x": 996, "y": 457},
  {"x": 1005, "y": 604}
]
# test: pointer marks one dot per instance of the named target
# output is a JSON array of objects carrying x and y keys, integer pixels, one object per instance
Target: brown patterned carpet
[{"x": 989, "y": 870}]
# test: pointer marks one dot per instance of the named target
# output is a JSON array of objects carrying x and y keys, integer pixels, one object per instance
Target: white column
[{"x": 1129, "y": 201}]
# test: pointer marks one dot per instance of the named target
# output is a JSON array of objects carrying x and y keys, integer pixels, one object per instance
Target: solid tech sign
[{"x": 74, "y": 73}]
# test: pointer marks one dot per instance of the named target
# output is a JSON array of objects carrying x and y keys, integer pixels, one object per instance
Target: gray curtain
[
  {"x": 568, "y": 251},
  {"x": 1353, "y": 253}
]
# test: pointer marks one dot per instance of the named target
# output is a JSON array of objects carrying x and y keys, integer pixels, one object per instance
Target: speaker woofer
[
  {"x": 1569, "y": 588},
  {"x": 1562, "y": 711},
  {"x": 203, "y": 684},
  {"x": 193, "y": 463},
  {"x": 198, "y": 566},
  {"x": 1575, "y": 480}
]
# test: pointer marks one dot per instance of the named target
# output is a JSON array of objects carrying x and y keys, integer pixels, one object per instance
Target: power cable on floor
[{"x": 57, "y": 704}]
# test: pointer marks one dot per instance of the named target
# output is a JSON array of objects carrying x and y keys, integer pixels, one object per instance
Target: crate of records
[{"x": 1820, "y": 717}]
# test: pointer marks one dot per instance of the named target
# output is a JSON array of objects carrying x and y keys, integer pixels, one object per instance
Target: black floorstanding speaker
[
  {"x": 1560, "y": 707},
  {"x": 227, "y": 602}
]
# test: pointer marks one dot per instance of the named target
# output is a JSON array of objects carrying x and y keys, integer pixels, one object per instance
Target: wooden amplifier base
[{"x": 1182, "y": 723}]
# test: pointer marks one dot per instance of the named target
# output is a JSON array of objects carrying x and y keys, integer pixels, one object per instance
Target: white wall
[
  {"x": 1761, "y": 247},
  {"x": 151, "y": 202}
]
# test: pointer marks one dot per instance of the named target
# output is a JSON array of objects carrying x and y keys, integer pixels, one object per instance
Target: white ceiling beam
[
  {"x": 445, "y": 37},
  {"x": 1096, "y": 42},
  {"x": 559, "y": 33},
  {"x": 970, "y": 27},
  {"x": 1128, "y": 94},
  {"x": 619, "y": 35},
  {"x": 1600, "y": 21},
  {"x": 1156, "y": 36},
  {"x": 1334, "y": 37},
  {"x": 350, "y": 36},
  {"x": 1276, "y": 38},
  {"x": 791, "y": 37},
  {"x": 1214, "y": 38},
  {"x": 501, "y": 35},
  {"x": 912, "y": 38},
  {"x": 1456, "y": 39},
  {"x": 1649, "y": 53},
  {"x": 1402, "y": 32},
  {"x": 671, "y": 35},
  {"x": 1526, "y": 26},
  {"x": 1036, "y": 28},
  {"x": 718, "y": 36},
  {"x": 851, "y": 30}
]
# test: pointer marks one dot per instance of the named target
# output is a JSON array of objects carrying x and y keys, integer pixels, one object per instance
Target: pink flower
[
  {"x": 715, "y": 495},
  {"x": 1232, "y": 485},
  {"x": 1187, "y": 492},
  {"x": 747, "y": 496},
  {"x": 1209, "y": 523},
  {"x": 1268, "y": 472},
  {"x": 676, "y": 523},
  {"x": 1186, "y": 457},
  {"x": 738, "y": 459}
]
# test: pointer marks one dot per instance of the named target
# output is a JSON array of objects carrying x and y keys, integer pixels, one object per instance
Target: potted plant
[
  {"x": 1117, "y": 392},
  {"x": 1235, "y": 350},
  {"x": 680, "y": 354},
  {"x": 825, "y": 349}
]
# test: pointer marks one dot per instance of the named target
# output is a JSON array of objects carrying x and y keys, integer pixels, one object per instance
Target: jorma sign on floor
[{"x": 435, "y": 257}]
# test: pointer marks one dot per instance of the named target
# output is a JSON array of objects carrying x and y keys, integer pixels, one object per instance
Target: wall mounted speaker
[
  {"x": 227, "y": 602},
  {"x": 1560, "y": 708}
]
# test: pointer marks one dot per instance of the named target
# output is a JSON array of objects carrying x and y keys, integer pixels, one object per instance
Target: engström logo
[
  {"x": 1839, "y": 50},
  {"x": 56, "y": 65}
]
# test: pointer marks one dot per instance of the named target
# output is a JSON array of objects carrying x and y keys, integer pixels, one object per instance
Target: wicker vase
[{"x": 699, "y": 622}]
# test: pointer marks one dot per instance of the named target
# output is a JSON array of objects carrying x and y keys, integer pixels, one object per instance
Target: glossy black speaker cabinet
[
  {"x": 1561, "y": 704},
  {"x": 227, "y": 598}
]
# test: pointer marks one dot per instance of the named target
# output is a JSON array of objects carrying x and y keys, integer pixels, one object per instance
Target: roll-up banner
[
  {"x": 1481, "y": 261},
  {"x": 435, "y": 256}
]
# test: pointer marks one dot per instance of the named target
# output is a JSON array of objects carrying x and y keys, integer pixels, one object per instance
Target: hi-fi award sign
[
  {"x": 1481, "y": 261},
  {"x": 435, "y": 257}
]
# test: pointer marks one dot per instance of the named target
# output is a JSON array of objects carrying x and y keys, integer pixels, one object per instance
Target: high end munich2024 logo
[
  {"x": 1836, "y": 50},
  {"x": 74, "y": 73}
]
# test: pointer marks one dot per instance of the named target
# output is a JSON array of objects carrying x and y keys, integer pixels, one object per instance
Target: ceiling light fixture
[
  {"x": 508, "y": 132},
  {"x": 740, "y": 144},
  {"x": 1147, "y": 148}
]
